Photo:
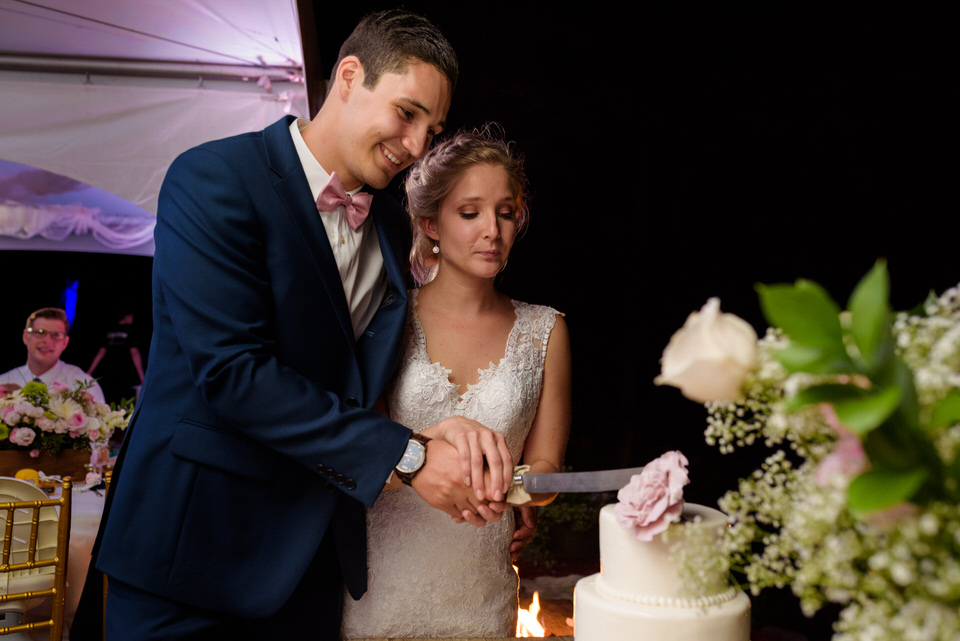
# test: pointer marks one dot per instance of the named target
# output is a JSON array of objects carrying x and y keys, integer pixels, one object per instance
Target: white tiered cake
[{"x": 637, "y": 595}]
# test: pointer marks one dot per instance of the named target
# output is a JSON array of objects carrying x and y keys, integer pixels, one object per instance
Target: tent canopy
[{"x": 109, "y": 92}]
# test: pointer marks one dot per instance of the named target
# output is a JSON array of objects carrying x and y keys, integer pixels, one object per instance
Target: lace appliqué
[{"x": 428, "y": 576}]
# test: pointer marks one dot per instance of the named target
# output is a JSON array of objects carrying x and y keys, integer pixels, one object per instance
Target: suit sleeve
[{"x": 217, "y": 264}]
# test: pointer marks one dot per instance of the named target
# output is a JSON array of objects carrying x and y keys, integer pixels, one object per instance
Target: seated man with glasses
[{"x": 46, "y": 336}]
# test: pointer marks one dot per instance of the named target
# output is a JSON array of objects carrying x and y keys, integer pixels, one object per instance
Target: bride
[{"x": 470, "y": 351}]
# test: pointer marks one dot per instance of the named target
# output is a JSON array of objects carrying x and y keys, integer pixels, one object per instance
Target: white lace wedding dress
[{"x": 428, "y": 576}]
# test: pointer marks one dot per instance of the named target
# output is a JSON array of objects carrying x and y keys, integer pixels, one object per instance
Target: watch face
[{"x": 413, "y": 458}]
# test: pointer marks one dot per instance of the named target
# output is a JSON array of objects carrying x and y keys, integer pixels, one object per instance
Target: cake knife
[{"x": 600, "y": 481}]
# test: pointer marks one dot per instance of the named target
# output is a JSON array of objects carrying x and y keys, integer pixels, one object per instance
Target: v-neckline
[{"x": 482, "y": 372}]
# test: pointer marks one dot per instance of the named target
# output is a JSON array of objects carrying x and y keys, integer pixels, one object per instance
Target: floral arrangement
[
  {"x": 859, "y": 504},
  {"x": 653, "y": 499},
  {"x": 37, "y": 418}
]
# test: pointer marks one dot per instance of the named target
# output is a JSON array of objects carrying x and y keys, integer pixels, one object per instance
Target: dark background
[{"x": 674, "y": 153}]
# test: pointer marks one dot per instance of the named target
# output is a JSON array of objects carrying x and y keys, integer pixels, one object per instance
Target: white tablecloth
[{"x": 86, "y": 509}]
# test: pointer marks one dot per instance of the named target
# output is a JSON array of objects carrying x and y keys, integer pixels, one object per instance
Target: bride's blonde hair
[{"x": 432, "y": 178}]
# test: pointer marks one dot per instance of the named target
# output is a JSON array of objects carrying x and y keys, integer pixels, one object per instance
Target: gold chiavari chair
[
  {"x": 33, "y": 563},
  {"x": 107, "y": 477}
]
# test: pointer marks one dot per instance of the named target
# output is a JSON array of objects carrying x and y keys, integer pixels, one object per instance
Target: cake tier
[
  {"x": 598, "y": 617},
  {"x": 641, "y": 571}
]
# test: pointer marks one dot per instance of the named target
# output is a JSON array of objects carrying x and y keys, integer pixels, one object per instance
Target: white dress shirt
[
  {"x": 60, "y": 373},
  {"x": 357, "y": 252}
]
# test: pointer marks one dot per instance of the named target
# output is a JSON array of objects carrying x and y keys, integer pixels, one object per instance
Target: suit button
[
  {"x": 330, "y": 473},
  {"x": 350, "y": 484},
  {"x": 321, "y": 468},
  {"x": 352, "y": 402},
  {"x": 341, "y": 479}
]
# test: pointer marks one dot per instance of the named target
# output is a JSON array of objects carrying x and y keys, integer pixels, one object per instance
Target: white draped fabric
[
  {"x": 122, "y": 138},
  {"x": 57, "y": 222},
  {"x": 108, "y": 96}
]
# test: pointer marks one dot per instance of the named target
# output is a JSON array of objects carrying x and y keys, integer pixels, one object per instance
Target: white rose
[{"x": 709, "y": 357}]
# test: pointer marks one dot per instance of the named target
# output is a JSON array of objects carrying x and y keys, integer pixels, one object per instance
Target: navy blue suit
[{"x": 253, "y": 435}]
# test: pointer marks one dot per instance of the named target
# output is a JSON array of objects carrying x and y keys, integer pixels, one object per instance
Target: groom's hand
[
  {"x": 440, "y": 483},
  {"x": 484, "y": 457}
]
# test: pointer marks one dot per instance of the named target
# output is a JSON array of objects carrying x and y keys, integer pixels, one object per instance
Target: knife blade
[{"x": 599, "y": 481}]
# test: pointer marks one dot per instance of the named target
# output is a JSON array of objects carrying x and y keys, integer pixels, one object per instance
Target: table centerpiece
[{"x": 54, "y": 429}]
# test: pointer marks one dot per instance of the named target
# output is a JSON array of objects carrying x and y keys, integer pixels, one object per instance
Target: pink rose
[
  {"x": 57, "y": 385},
  {"x": 34, "y": 453},
  {"x": 93, "y": 434},
  {"x": 847, "y": 460},
  {"x": 77, "y": 419},
  {"x": 654, "y": 498},
  {"x": 22, "y": 436}
]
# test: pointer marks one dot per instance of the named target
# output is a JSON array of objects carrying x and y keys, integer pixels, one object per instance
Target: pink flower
[
  {"x": 891, "y": 517},
  {"x": 830, "y": 416},
  {"x": 57, "y": 385},
  {"x": 34, "y": 453},
  {"x": 93, "y": 434},
  {"x": 846, "y": 460},
  {"x": 654, "y": 498},
  {"x": 87, "y": 396},
  {"x": 22, "y": 436},
  {"x": 77, "y": 419}
]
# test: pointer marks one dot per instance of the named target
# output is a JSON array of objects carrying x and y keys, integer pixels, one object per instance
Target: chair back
[{"x": 33, "y": 562}]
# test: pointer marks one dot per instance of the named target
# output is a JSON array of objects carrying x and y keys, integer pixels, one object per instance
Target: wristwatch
[{"x": 413, "y": 458}]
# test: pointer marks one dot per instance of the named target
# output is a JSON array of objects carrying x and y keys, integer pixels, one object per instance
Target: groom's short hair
[{"x": 387, "y": 41}]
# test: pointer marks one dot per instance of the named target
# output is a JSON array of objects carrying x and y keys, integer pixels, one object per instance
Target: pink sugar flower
[{"x": 654, "y": 498}]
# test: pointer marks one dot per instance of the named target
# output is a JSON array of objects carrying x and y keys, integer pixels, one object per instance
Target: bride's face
[{"x": 477, "y": 222}]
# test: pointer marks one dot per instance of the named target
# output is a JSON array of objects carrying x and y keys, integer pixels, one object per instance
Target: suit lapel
[
  {"x": 379, "y": 347},
  {"x": 294, "y": 192}
]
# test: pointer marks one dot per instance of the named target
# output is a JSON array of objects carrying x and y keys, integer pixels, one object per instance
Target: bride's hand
[{"x": 476, "y": 443}]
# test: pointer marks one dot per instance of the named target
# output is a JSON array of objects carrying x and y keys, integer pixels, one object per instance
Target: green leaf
[
  {"x": 946, "y": 412},
  {"x": 797, "y": 358},
  {"x": 4, "y": 432},
  {"x": 825, "y": 394},
  {"x": 805, "y": 312},
  {"x": 864, "y": 414},
  {"x": 876, "y": 490},
  {"x": 870, "y": 312}
]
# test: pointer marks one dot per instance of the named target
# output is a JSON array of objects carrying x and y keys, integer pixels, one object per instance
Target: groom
[{"x": 238, "y": 502}]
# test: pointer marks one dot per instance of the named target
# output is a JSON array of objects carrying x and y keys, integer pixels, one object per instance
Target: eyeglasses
[{"x": 40, "y": 333}]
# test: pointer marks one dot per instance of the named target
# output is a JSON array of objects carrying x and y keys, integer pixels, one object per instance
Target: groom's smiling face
[{"x": 389, "y": 126}]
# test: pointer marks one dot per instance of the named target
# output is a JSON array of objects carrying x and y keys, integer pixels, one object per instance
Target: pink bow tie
[{"x": 333, "y": 194}]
